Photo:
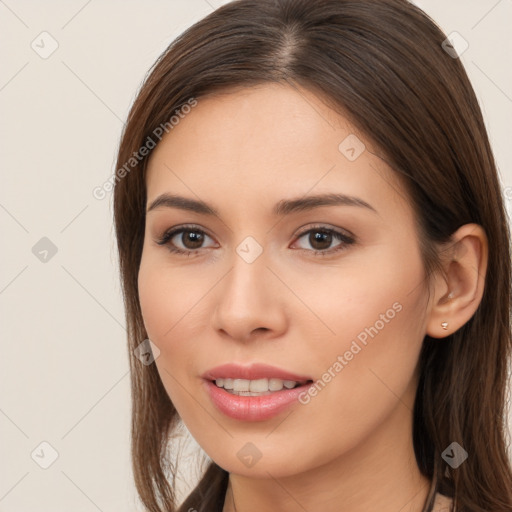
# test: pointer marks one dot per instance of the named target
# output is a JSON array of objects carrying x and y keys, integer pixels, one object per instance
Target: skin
[{"x": 350, "y": 448}]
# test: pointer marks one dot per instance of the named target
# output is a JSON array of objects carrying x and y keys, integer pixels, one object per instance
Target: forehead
[
  {"x": 287, "y": 121},
  {"x": 268, "y": 141}
]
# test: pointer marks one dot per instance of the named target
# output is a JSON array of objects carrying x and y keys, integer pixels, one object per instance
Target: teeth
[
  {"x": 254, "y": 387},
  {"x": 241, "y": 385},
  {"x": 275, "y": 384},
  {"x": 258, "y": 386}
]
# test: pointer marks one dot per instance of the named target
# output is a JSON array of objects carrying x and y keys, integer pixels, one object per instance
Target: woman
[{"x": 311, "y": 233}]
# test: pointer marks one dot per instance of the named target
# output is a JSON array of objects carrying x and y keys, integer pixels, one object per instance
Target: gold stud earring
[{"x": 444, "y": 325}]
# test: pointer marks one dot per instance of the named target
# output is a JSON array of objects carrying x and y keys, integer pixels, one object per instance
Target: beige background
[{"x": 63, "y": 364}]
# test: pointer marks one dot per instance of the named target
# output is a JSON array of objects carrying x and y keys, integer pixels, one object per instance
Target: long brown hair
[{"x": 381, "y": 64}]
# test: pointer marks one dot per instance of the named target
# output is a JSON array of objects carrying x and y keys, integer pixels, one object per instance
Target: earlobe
[{"x": 459, "y": 291}]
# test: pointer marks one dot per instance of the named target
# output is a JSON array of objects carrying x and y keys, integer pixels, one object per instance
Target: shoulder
[{"x": 442, "y": 503}]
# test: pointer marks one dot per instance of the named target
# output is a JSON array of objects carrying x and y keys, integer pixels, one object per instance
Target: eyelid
[{"x": 325, "y": 227}]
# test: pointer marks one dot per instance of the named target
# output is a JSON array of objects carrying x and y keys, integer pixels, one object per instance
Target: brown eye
[
  {"x": 191, "y": 239},
  {"x": 185, "y": 240},
  {"x": 323, "y": 241},
  {"x": 320, "y": 240}
]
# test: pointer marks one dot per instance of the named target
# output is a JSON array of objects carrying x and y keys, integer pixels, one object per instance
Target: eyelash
[{"x": 337, "y": 235}]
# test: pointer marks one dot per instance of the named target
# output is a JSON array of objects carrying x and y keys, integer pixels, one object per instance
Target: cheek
[
  {"x": 377, "y": 317},
  {"x": 374, "y": 295},
  {"x": 173, "y": 302},
  {"x": 169, "y": 297},
  {"x": 154, "y": 302},
  {"x": 164, "y": 307}
]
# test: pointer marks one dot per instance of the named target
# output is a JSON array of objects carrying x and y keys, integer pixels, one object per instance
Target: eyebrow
[{"x": 283, "y": 207}]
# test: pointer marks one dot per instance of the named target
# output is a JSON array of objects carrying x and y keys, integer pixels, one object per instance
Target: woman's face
[{"x": 326, "y": 290}]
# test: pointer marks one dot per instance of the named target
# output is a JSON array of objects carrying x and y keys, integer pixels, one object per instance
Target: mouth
[
  {"x": 253, "y": 393},
  {"x": 250, "y": 405},
  {"x": 257, "y": 387}
]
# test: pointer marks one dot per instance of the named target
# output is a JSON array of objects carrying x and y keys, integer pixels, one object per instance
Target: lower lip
[{"x": 253, "y": 408}]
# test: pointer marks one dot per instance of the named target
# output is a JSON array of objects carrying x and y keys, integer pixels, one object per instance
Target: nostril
[{"x": 264, "y": 329}]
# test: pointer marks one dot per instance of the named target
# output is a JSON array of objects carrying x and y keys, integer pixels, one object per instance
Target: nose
[{"x": 250, "y": 302}]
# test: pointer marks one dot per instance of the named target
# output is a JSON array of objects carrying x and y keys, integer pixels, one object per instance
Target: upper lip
[{"x": 254, "y": 371}]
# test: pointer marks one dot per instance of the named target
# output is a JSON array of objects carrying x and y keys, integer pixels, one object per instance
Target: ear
[{"x": 459, "y": 291}]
